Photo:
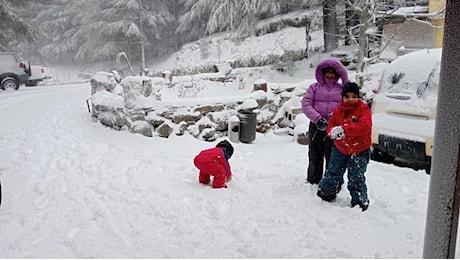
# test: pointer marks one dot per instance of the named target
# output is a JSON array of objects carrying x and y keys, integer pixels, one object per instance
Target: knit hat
[
  {"x": 228, "y": 148},
  {"x": 350, "y": 87}
]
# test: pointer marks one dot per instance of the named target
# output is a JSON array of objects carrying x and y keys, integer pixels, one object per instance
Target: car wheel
[
  {"x": 10, "y": 82},
  {"x": 380, "y": 156}
]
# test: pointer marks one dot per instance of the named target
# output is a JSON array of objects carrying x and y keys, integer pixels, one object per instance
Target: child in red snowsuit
[{"x": 214, "y": 162}]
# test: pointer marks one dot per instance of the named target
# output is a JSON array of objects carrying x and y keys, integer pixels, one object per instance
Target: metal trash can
[
  {"x": 234, "y": 129},
  {"x": 248, "y": 122}
]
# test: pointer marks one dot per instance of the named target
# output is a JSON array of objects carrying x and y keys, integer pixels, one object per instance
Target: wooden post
[{"x": 260, "y": 84}]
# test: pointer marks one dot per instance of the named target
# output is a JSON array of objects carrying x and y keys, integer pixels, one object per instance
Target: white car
[
  {"x": 38, "y": 74},
  {"x": 13, "y": 71},
  {"x": 404, "y": 108}
]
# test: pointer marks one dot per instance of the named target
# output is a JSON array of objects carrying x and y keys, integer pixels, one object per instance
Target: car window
[
  {"x": 414, "y": 74},
  {"x": 430, "y": 84},
  {"x": 396, "y": 83},
  {"x": 7, "y": 58}
]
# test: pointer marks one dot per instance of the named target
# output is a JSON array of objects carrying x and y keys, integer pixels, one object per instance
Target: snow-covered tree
[
  {"x": 65, "y": 24},
  {"x": 105, "y": 28},
  {"x": 12, "y": 26},
  {"x": 170, "y": 41},
  {"x": 32, "y": 50},
  {"x": 119, "y": 25},
  {"x": 203, "y": 17},
  {"x": 330, "y": 25}
]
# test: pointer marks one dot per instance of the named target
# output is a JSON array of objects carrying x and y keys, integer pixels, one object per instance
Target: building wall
[
  {"x": 407, "y": 35},
  {"x": 403, "y": 36},
  {"x": 435, "y": 6}
]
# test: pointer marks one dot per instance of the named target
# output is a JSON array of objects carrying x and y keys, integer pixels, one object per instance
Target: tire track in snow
[
  {"x": 82, "y": 197},
  {"x": 46, "y": 170}
]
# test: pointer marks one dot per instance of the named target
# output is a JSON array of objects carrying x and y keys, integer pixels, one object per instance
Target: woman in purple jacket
[{"x": 317, "y": 104}]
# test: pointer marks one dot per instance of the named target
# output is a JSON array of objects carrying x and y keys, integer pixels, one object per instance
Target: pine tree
[
  {"x": 106, "y": 28},
  {"x": 204, "y": 17},
  {"x": 12, "y": 26}
]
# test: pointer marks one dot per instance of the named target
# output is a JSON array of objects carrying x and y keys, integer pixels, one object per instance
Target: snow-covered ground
[{"x": 75, "y": 189}]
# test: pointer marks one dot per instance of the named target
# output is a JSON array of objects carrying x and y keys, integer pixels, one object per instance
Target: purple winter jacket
[{"x": 324, "y": 96}]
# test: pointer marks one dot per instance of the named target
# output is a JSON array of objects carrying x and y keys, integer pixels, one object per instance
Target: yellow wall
[{"x": 437, "y": 5}]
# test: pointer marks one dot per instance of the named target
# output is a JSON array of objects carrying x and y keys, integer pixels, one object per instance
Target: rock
[
  {"x": 154, "y": 119},
  {"x": 204, "y": 110},
  {"x": 181, "y": 129},
  {"x": 112, "y": 119},
  {"x": 180, "y": 116},
  {"x": 164, "y": 130},
  {"x": 142, "y": 127},
  {"x": 209, "y": 135}
]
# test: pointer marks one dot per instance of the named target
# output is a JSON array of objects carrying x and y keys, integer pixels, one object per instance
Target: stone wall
[{"x": 127, "y": 106}]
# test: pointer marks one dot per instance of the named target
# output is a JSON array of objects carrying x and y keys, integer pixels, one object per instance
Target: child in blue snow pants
[{"x": 332, "y": 181}]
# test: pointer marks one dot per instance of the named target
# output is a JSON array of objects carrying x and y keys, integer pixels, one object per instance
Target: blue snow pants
[{"x": 356, "y": 165}]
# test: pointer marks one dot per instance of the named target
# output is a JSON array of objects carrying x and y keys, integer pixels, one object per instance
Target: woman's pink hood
[{"x": 331, "y": 63}]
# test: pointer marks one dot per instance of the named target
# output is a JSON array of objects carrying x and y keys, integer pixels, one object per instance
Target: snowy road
[{"x": 75, "y": 189}]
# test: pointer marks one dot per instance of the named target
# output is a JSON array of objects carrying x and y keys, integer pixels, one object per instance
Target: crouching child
[
  {"x": 350, "y": 129},
  {"x": 214, "y": 162}
]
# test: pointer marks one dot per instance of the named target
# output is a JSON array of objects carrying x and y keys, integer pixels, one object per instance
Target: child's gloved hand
[
  {"x": 337, "y": 133},
  {"x": 229, "y": 178}
]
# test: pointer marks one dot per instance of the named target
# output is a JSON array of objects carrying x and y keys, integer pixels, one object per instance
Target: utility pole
[{"x": 444, "y": 193}]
